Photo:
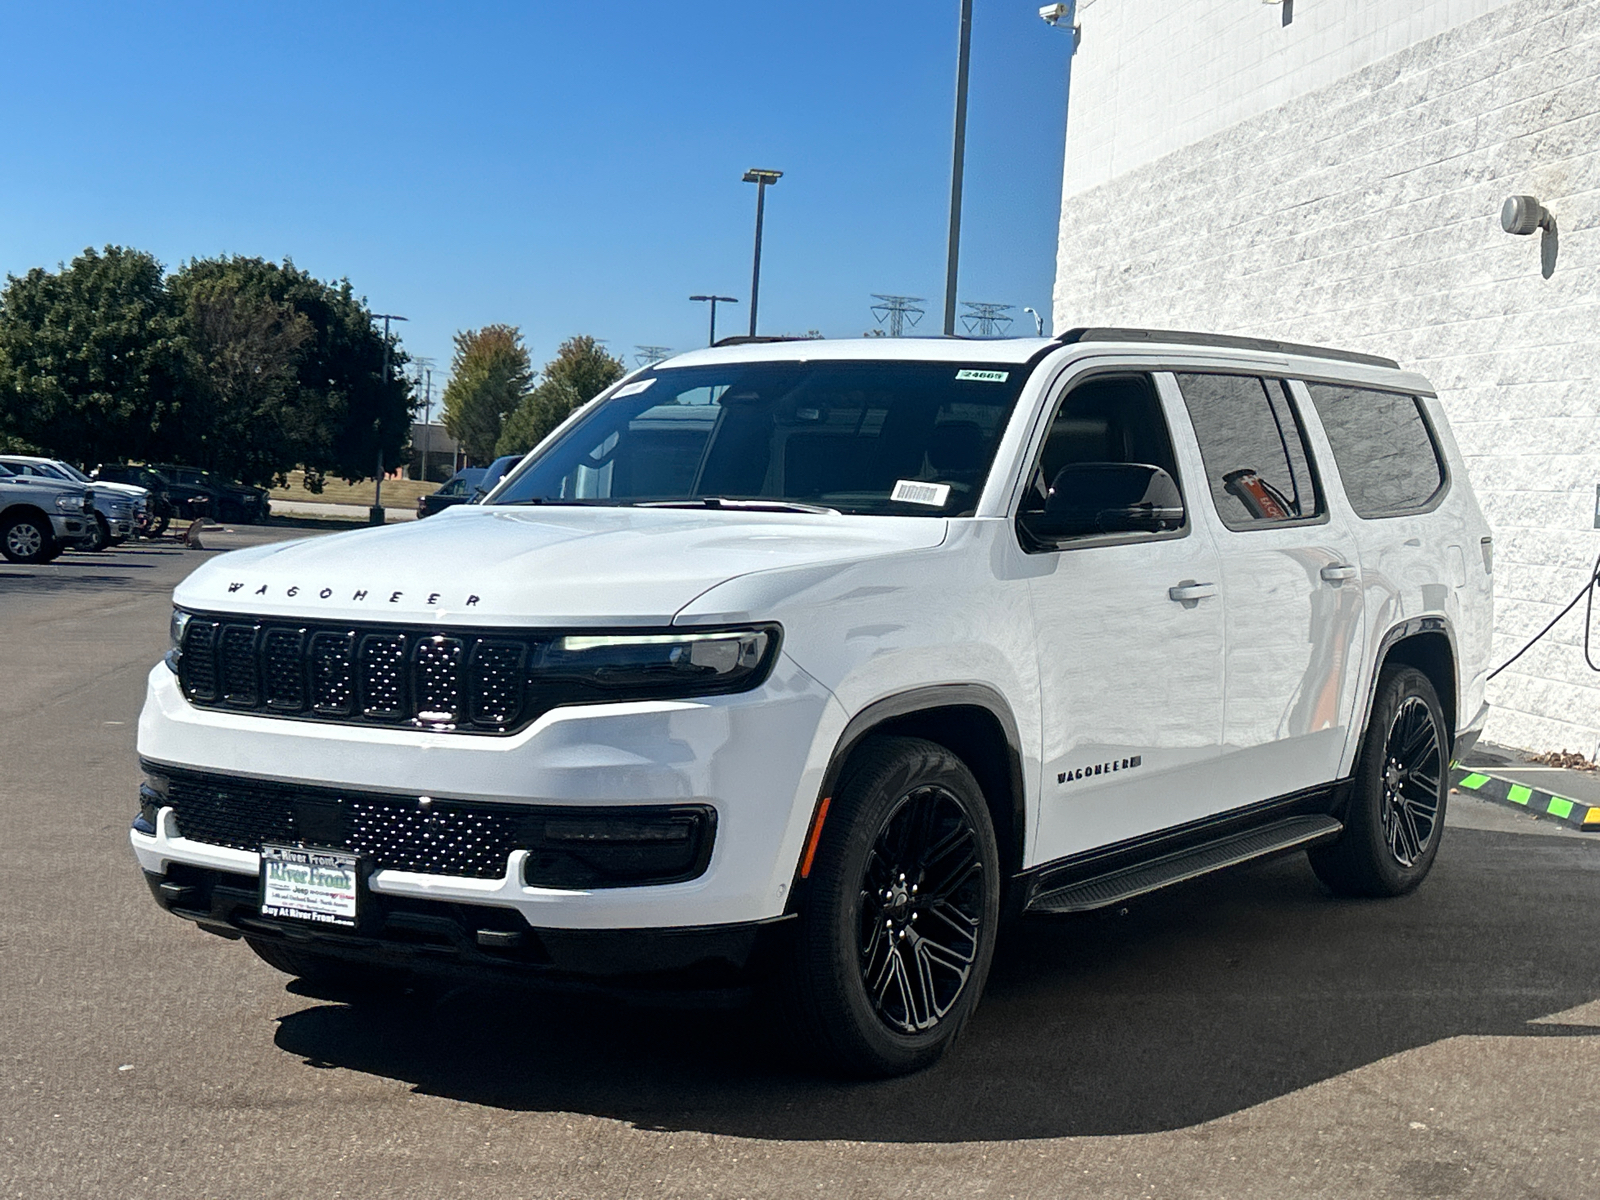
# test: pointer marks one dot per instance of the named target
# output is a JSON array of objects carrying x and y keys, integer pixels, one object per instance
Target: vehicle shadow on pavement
[{"x": 1200, "y": 1002}]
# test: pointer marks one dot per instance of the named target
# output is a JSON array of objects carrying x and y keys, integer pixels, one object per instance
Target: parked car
[
  {"x": 39, "y": 518},
  {"x": 168, "y": 501},
  {"x": 118, "y": 506},
  {"x": 818, "y": 657},
  {"x": 460, "y": 488},
  {"x": 230, "y": 500}
]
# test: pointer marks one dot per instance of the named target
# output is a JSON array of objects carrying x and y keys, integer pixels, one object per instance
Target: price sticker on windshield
[
  {"x": 912, "y": 491},
  {"x": 983, "y": 376},
  {"x": 632, "y": 389}
]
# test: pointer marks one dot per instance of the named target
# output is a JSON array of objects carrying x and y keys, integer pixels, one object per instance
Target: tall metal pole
[
  {"x": 957, "y": 165},
  {"x": 761, "y": 178},
  {"x": 714, "y": 300},
  {"x": 755, "y": 271},
  {"x": 375, "y": 514}
]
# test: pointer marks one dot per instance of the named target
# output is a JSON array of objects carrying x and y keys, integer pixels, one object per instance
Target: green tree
[
  {"x": 490, "y": 373},
  {"x": 580, "y": 371},
  {"x": 284, "y": 370},
  {"x": 91, "y": 358}
]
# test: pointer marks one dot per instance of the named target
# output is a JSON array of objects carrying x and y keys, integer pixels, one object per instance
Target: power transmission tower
[
  {"x": 899, "y": 311},
  {"x": 986, "y": 320},
  {"x": 650, "y": 355}
]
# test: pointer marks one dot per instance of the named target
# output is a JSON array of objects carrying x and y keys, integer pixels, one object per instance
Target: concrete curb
[{"x": 1574, "y": 814}]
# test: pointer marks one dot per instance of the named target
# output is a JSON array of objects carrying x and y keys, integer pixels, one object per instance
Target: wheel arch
[
  {"x": 26, "y": 509},
  {"x": 973, "y": 722},
  {"x": 1429, "y": 645}
]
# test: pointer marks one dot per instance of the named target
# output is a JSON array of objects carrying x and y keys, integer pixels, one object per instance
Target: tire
[
  {"x": 325, "y": 970},
  {"x": 1395, "y": 818},
  {"x": 100, "y": 538},
  {"x": 907, "y": 822},
  {"x": 28, "y": 539},
  {"x": 159, "y": 526}
]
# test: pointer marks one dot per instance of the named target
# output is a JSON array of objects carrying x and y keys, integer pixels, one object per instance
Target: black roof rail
[
  {"x": 1182, "y": 337},
  {"x": 744, "y": 339}
]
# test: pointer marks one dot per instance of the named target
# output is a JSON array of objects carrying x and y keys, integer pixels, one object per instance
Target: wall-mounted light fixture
[{"x": 1522, "y": 215}]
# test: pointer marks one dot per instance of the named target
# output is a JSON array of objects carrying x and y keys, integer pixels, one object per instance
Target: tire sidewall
[{"x": 831, "y": 917}]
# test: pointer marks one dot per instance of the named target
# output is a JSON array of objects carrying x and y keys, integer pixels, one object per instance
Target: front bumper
[
  {"x": 433, "y": 937},
  {"x": 756, "y": 758},
  {"x": 71, "y": 528}
]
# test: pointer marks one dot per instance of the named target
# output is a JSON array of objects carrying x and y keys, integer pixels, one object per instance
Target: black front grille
[
  {"x": 569, "y": 846},
  {"x": 451, "y": 681}
]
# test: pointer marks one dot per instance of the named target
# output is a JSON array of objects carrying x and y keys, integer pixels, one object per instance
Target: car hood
[
  {"x": 476, "y": 565},
  {"x": 49, "y": 485},
  {"x": 130, "y": 490}
]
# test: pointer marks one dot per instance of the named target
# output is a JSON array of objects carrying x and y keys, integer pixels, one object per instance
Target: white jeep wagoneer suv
[{"x": 814, "y": 658}]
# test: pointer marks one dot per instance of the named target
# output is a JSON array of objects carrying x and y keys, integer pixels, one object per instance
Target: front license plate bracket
[{"x": 312, "y": 886}]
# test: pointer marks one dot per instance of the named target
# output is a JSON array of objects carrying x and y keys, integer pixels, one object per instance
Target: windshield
[
  {"x": 903, "y": 438},
  {"x": 62, "y": 471}
]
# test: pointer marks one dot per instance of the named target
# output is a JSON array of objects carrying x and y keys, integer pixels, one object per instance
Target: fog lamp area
[{"x": 619, "y": 847}]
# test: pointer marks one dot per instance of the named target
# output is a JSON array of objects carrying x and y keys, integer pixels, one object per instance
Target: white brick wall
[{"x": 1364, "y": 212}]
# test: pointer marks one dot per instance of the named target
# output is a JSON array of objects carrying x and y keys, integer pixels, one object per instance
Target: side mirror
[{"x": 1087, "y": 499}]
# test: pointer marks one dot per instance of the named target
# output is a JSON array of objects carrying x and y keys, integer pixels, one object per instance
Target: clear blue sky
[{"x": 569, "y": 168}]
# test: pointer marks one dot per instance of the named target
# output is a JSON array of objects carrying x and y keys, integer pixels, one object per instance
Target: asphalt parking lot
[{"x": 1244, "y": 1036}]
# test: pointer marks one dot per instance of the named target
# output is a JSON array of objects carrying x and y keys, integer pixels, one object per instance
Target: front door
[{"x": 1130, "y": 640}]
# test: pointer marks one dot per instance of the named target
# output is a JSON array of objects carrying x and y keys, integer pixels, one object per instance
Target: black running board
[{"x": 1117, "y": 886}]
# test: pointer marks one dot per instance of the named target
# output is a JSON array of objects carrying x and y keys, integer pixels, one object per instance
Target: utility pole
[
  {"x": 714, "y": 302},
  {"x": 375, "y": 513},
  {"x": 957, "y": 165},
  {"x": 761, "y": 178}
]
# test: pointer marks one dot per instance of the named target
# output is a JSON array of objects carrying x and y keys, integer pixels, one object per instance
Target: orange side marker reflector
[{"x": 816, "y": 836}]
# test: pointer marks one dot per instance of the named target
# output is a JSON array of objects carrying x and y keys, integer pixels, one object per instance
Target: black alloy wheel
[
  {"x": 921, "y": 907},
  {"x": 899, "y": 913},
  {"x": 99, "y": 535},
  {"x": 1395, "y": 816}
]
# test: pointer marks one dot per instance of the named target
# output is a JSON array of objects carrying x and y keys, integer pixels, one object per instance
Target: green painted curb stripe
[
  {"x": 1518, "y": 794},
  {"x": 1559, "y": 807},
  {"x": 1473, "y": 782}
]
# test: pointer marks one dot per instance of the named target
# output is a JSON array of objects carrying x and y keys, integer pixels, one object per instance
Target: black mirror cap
[{"x": 1095, "y": 498}]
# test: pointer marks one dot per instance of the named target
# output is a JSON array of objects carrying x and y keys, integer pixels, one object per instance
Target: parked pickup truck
[{"x": 39, "y": 518}]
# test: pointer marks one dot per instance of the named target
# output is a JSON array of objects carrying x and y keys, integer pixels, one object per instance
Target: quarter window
[
  {"x": 1383, "y": 447},
  {"x": 1257, "y": 464}
]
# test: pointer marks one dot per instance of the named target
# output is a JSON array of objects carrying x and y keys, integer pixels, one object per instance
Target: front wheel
[
  {"x": 1395, "y": 816},
  {"x": 99, "y": 535},
  {"x": 899, "y": 915},
  {"x": 28, "y": 539}
]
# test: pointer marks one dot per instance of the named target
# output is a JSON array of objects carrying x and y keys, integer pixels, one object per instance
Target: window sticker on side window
[
  {"x": 983, "y": 376},
  {"x": 911, "y": 491},
  {"x": 631, "y": 389}
]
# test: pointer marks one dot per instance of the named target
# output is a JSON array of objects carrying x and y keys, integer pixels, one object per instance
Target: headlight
[
  {"x": 66, "y": 502},
  {"x": 614, "y": 666},
  {"x": 180, "y": 621}
]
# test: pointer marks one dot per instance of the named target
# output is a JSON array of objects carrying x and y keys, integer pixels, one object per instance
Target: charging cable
[{"x": 1588, "y": 618}]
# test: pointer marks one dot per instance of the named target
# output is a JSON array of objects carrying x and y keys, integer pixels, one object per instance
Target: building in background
[
  {"x": 1334, "y": 174},
  {"x": 435, "y": 455}
]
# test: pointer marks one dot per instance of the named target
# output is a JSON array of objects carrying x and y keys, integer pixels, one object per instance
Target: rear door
[{"x": 1292, "y": 596}]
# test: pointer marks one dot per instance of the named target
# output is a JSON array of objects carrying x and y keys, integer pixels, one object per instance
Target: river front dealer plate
[{"x": 310, "y": 885}]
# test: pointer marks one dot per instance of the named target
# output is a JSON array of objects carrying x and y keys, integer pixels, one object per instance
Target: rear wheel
[
  {"x": 898, "y": 923},
  {"x": 27, "y": 538},
  {"x": 1396, "y": 813}
]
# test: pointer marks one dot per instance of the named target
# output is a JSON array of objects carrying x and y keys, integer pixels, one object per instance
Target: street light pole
[
  {"x": 714, "y": 300},
  {"x": 957, "y": 166},
  {"x": 375, "y": 513},
  {"x": 761, "y": 178}
]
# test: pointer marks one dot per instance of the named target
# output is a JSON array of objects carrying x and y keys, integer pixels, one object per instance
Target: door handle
[
  {"x": 1190, "y": 592},
  {"x": 1338, "y": 573}
]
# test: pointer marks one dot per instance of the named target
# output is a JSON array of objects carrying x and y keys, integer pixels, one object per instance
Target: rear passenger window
[
  {"x": 1383, "y": 447},
  {"x": 1257, "y": 465}
]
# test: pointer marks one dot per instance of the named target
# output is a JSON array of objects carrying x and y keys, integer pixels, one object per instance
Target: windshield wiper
[{"x": 752, "y": 504}]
